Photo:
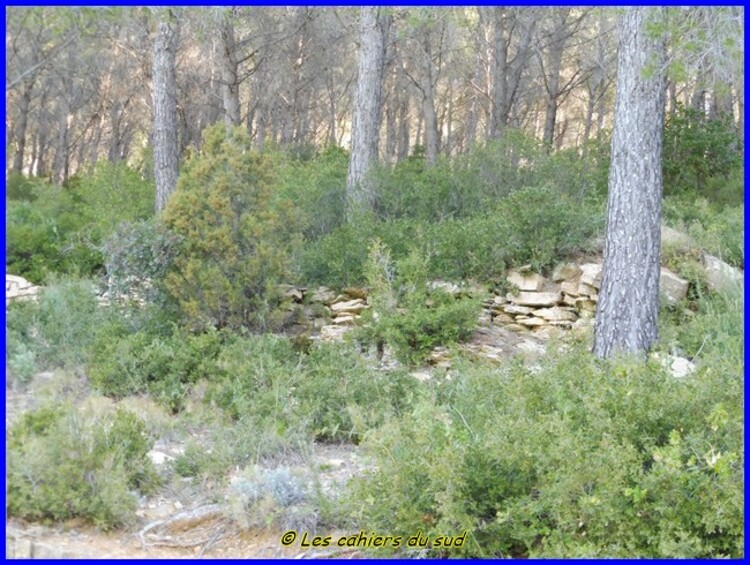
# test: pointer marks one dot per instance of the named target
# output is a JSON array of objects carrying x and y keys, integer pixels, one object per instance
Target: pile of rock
[
  {"x": 331, "y": 312},
  {"x": 567, "y": 300},
  {"x": 18, "y": 288}
]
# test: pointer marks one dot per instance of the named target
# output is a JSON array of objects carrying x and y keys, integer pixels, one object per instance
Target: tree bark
[
  {"x": 431, "y": 133},
  {"x": 230, "y": 83},
  {"x": 499, "y": 74},
  {"x": 367, "y": 109},
  {"x": 627, "y": 313},
  {"x": 19, "y": 132},
  {"x": 560, "y": 35},
  {"x": 166, "y": 157}
]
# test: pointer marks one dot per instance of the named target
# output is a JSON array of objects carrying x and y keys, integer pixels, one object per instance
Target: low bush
[
  {"x": 165, "y": 366},
  {"x": 481, "y": 247},
  {"x": 65, "y": 464},
  {"x": 265, "y": 498},
  {"x": 20, "y": 187},
  {"x": 405, "y": 314},
  {"x": 329, "y": 394},
  {"x": 699, "y": 153},
  {"x": 138, "y": 256},
  {"x": 34, "y": 243},
  {"x": 716, "y": 229},
  {"x": 58, "y": 230},
  {"x": 574, "y": 458},
  {"x": 59, "y": 329},
  {"x": 316, "y": 188}
]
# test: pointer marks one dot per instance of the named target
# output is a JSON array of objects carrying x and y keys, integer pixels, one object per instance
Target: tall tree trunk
[
  {"x": 471, "y": 122},
  {"x": 367, "y": 109},
  {"x": 552, "y": 78},
  {"x": 431, "y": 133},
  {"x": 24, "y": 104},
  {"x": 402, "y": 146},
  {"x": 331, "y": 87},
  {"x": 740, "y": 87},
  {"x": 61, "y": 160},
  {"x": 627, "y": 313},
  {"x": 391, "y": 113},
  {"x": 230, "y": 83},
  {"x": 499, "y": 74},
  {"x": 166, "y": 156}
]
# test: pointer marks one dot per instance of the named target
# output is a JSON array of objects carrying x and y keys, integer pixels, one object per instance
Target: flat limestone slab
[{"x": 537, "y": 298}]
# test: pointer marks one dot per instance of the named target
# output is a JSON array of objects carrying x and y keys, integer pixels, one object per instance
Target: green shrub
[
  {"x": 723, "y": 234},
  {"x": 164, "y": 365},
  {"x": 328, "y": 394},
  {"x": 33, "y": 241},
  {"x": 60, "y": 229},
  {"x": 265, "y": 498},
  {"x": 20, "y": 187},
  {"x": 64, "y": 464},
  {"x": 233, "y": 236},
  {"x": 539, "y": 225},
  {"x": 317, "y": 190},
  {"x": 138, "y": 257},
  {"x": 698, "y": 149},
  {"x": 405, "y": 314},
  {"x": 575, "y": 458},
  {"x": 61, "y": 327},
  {"x": 340, "y": 397},
  {"x": 716, "y": 229},
  {"x": 532, "y": 225},
  {"x": 198, "y": 461},
  {"x": 22, "y": 363}
]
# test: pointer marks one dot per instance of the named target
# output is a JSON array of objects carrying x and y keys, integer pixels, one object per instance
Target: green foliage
[
  {"x": 698, "y": 149},
  {"x": 33, "y": 241},
  {"x": 61, "y": 228},
  {"x": 138, "y": 257},
  {"x": 64, "y": 464},
  {"x": 538, "y": 226},
  {"x": 513, "y": 232},
  {"x": 716, "y": 229},
  {"x": 329, "y": 394},
  {"x": 20, "y": 187},
  {"x": 125, "y": 363},
  {"x": 197, "y": 461},
  {"x": 405, "y": 314},
  {"x": 277, "y": 498},
  {"x": 233, "y": 235},
  {"x": 577, "y": 458},
  {"x": 98, "y": 201},
  {"x": 317, "y": 189},
  {"x": 60, "y": 328}
]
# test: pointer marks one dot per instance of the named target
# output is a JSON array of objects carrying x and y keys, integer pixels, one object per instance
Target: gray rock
[
  {"x": 526, "y": 281},
  {"x": 721, "y": 276},
  {"x": 672, "y": 287},
  {"x": 565, "y": 271},
  {"x": 591, "y": 274},
  {"x": 537, "y": 298}
]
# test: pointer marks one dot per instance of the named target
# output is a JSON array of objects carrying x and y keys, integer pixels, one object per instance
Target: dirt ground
[{"x": 174, "y": 523}]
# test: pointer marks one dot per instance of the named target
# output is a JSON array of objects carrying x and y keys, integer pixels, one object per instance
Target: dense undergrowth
[{"x": 572, "y": 457}]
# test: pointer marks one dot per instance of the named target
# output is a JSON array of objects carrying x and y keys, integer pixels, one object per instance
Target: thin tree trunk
[
  {"x": 230, "y": 83},
  {"x": 60, "y": 163},
  {"x": 499, "y": 74},
  {"x": 431, "y": 134},
  {"x": 402, "y": 149},
  {"x": 552, "y": 80},
  {"x": 166, "y": 156},
  {"x": 24, "y": 104},
  {"x": 628, "y": 308}
]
